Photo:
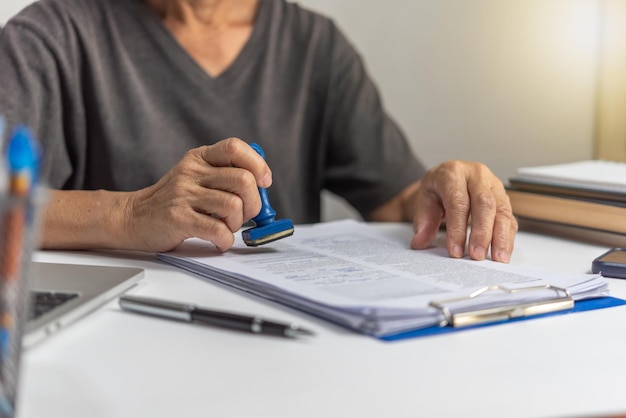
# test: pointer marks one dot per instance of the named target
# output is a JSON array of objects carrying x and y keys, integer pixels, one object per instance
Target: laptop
[{"x": 62, "y": 293}]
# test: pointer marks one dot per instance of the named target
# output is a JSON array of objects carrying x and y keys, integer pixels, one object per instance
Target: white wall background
[
  {"x": 507, "y": 82},
  {"x": 10, "y": 7}
]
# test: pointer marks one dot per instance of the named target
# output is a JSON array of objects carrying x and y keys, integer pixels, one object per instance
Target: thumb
[{"x": 426, "y": 221}]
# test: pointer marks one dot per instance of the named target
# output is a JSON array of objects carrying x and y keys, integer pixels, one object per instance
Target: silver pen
[{"x": 191, "y": 313}]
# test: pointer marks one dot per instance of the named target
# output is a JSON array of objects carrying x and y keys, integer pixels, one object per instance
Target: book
[
  {"x": 604, "y": 215},
  {"x": 573, "y": 232},
  {"x": 600, "y": 178},
  {"x": 370, "y": 281},
  {"x": 583, "y": 200},
  {"x": 572, "y": 191}
]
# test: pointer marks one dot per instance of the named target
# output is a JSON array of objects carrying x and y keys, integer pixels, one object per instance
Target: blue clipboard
[{"x": 579, "y": 306}]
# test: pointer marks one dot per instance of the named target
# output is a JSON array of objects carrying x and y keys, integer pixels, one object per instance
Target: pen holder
[{"x": 19, "y": 233}]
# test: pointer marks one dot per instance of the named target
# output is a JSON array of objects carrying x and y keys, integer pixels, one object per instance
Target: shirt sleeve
[
  {"x": 369, "y": 160},
  {"x": 35, "y": 91}
]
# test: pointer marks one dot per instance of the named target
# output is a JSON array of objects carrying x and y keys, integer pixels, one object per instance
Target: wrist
[{"x": 86, "y": 220}]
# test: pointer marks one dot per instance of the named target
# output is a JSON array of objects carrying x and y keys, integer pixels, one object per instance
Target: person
[{"x": 145, "y": 109}]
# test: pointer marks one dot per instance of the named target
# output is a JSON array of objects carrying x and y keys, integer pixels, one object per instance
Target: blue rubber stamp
[{"x": 267, "y": 228}]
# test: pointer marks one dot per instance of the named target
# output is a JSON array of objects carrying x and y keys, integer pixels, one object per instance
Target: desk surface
[{"x": 118, "y": 364}]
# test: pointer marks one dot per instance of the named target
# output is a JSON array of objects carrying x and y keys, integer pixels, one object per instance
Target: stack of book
[{"x": 584, "y": 200}]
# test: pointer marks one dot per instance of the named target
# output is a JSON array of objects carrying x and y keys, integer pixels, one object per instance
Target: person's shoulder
[
  {"x": 62, "y": 24},
  {"x": 50, "y": 16},
  {"x": 302, "y": 20},
  {"x": 56, "y": 9},
  {"x": 308, "y": 26},
  {"x": 302, "y": 14}
]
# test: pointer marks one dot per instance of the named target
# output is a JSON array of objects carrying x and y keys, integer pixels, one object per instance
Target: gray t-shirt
[{"x": 116, "y": 102}]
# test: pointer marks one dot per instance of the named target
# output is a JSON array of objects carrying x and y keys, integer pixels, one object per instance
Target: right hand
[{"x": 209, "y": 194}]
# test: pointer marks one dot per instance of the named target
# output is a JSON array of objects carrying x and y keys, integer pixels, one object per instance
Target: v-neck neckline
[{"x": 189, "y": 65}]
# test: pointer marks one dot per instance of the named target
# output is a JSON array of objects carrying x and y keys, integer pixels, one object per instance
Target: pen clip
[{"x": 157, "y": 307}]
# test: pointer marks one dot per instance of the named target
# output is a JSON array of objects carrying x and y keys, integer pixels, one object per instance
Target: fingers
[
  {"x": 233, "y": 152},
  {"x": 229, "y": 192},
  {"x": 443, "y": 195},
  {"x": 427, "y": 219},
  {"x": 160, "y": 218},
  {"x": 492, "y": 221},
  {"x": 504, "y": 229},
  {"x": 462, "y": 192},
  {"x": 485, "y": 199},
  {"x": 212, "y": 229},
  {"x": 230, "y": 166}
]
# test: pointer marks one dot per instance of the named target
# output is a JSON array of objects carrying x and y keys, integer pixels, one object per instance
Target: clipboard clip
[{"x": 561, "y": 302}]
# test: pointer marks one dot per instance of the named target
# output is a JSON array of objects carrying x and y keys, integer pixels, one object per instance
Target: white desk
[{"x": 118, "y": 364}]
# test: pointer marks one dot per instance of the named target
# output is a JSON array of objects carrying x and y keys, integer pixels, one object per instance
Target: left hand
[{"x": 463, "y": 194}]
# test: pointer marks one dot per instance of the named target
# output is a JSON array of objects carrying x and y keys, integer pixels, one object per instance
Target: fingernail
[
  {"x": 266, "y": 181},
  {"x": 503, "y": 256},
  {"x": 480, "y": 253},
  {"x": 458, "y": 251}
]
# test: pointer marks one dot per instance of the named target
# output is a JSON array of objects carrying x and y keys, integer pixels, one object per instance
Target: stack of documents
[
  {"x": 372, "y": 282},
  {"x": 582, "y": 200}
]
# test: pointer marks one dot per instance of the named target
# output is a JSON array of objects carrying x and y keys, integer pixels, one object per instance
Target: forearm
[{"x": 86, "y": 220}]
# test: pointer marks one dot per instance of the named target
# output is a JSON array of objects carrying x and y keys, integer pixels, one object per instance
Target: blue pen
[
  {"x": 23, "y": 157},
  {"x": 4, "y": 179}
]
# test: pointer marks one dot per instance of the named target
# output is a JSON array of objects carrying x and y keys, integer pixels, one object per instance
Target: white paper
[{"x": 355, "y": 275}]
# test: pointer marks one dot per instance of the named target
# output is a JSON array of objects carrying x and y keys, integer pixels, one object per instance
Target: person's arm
[
  {"x": 209, "y": 194},
  {"x": 368, "y": 161},
  {"x": 371, "y": 165},
  {"x": 461, "y": 194},
  {"x": 84, "y": 219}
]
